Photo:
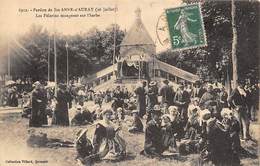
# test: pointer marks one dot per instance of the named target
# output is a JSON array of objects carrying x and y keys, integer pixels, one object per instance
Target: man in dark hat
[
  {"x": 153, "y": 146},
  {"x": 141, "y": 104},
  {"x": 82, "y": 117},
  {"x": 13, "y": 97},
  {"x": 137, "y": 125},
  {"x": 198, "y": 90},
  {"x": 152, "y": 96},
  {"x": 208, "y": 98},
  {"x": 237, "y": 101},
  {"x": 167, "y": 93},
  {"x": 61, "y": 115},
  {"x": 118, "y": 97},
  {"x": 37, "y": 106},
  {"x": 182, "y": 100},
  {"x": 219, "y": 149},
  {"x": 44, "y": 103}
]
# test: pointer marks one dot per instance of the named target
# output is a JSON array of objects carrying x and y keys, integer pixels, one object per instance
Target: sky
[{"x": 14, "y": 23}]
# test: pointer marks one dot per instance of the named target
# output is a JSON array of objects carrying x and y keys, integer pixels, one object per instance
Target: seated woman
[
  {"x": 231, "y": 124},
  {"x": 98, "y": 99},
  {"x": 87, "y": 115},
  {"x": 177, "y": 124},
  {"x": 106, "y": 142},
  {"x": 96, "y": 113},
  {"x": 165, "y": 108},
  {"x": 119, "y": 114},
  {"x": 137, "y": 125},
  {"x": 153, "y": 146},
  {"x": 218, "y": 149},
  {"x": 27, "y": 105},
  {"x": 192, "y": 128},
  {"x": 168, "y": 139},
  {"x": 194, "y": 104},
  {"x": 131, "y": 105},
  {"x": 82, "y": 117}
]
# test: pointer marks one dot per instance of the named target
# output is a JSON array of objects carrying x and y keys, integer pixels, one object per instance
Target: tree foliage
[
  {"x": 213, "y": 61},
  {"x": 87, "y": 52}
]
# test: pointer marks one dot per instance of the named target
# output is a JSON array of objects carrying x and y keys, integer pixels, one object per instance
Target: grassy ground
[{"x": 13, "y": 135}]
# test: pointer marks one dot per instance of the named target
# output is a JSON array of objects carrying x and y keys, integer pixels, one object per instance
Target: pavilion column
[
  {"x": 176, "y": 79},
  {"x": 159, "y": 73}
]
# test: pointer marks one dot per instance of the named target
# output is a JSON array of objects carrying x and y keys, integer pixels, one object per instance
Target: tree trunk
[{"x": 234, "y": 44}]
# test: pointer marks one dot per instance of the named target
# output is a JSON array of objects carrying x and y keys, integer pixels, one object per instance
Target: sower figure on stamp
[{"x": 182, "y": 25}]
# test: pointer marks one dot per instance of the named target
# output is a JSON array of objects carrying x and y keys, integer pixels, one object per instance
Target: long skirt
[
  {"x": 61, "y": 117},
  {"x": 35, "y": 119},
  {"x": 112, "y": 149}
]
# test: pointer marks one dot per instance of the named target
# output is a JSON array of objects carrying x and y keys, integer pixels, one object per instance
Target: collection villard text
[{"x": 26, "y": 161}]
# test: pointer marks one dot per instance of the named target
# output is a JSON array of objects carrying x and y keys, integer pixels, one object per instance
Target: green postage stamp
[{"x": 186, "y": 27}]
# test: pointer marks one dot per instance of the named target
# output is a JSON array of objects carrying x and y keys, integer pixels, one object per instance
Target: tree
[
  {"x": 88, "y": 52},
  {"x": 234, "y": 43},
  {"x": 35, "y": 41},
  {"x": 214, "y": 61}
]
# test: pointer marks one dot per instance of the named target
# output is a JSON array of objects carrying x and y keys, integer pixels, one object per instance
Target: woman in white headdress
[{"x": 107, "y": 143}]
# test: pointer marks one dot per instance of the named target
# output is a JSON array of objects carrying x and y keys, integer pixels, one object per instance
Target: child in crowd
[
  {"x": 169, "y": 142},
  {"x": 119, "y": 114},
  {"x": 165, "y": 108},
  {"x": 27, "y": 106},
  {"x": 82, "y": 117},
  {"x": 176, "y": 122},
  {"x": 192, "y": 128},
  {"x": 232, "y": 126},
  {"x": 136, "y": 125},
  {"x": 194, "y": 105},
  {"x": 97, "y": 113}
]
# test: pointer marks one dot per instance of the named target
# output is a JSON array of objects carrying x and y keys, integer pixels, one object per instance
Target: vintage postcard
[{"x": 129, "y": 82}]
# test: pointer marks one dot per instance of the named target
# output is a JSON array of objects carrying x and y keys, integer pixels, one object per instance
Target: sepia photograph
[{"x": 129, "y": 82}]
